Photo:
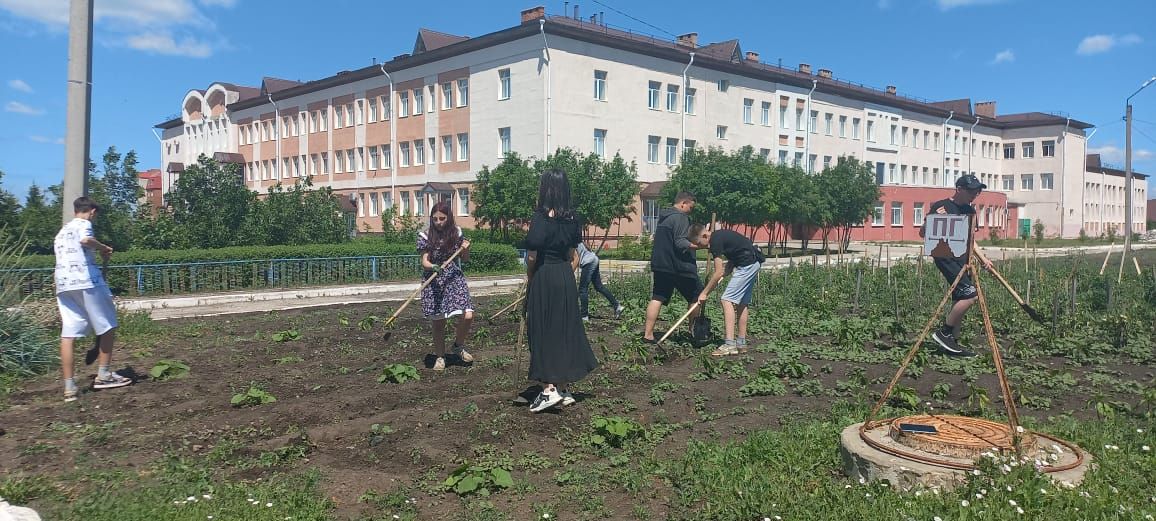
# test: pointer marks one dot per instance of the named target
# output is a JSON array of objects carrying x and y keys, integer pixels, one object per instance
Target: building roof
[
  {"x": 271, "y": 85},
  {"x": 653, "y": 189},
  {"x": 1093, "y": 163},
  {"x": 429, "y": 40},
  {"x": 175, "y": 167},
  {"x": 717, "y": 56},
  {"x": 228, "y": 157},
  {"x": 437, "y": 187}
]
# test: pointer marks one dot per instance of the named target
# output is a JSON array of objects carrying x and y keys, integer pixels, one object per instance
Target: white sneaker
[
  {"x": 567, "y": 399},
  {"x": 546, "y": 400},
  {"x": 440, "y": 364},
  {"x": 618, "y": 312},
  {"x": 112, "y": 381},
  {"x": 726, "y": 350}
]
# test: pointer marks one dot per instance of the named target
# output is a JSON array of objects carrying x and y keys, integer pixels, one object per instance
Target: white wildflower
[
  {"x": 1145, "y": 448},
  {"x": 1019, "y": 429},
  {"x": 206, "y": 496},
  {"x": 937, "y": 518},
  {"x": 1019, "y": 510},
  {"x": 545, "y": 516},
  {"x": 268, "y": 504},
  {"x": 1011, "y": 502},
  {"x": 965, "y": 503}
]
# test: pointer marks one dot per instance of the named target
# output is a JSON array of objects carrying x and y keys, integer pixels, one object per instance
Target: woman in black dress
[{"x": 559, "y": 351}]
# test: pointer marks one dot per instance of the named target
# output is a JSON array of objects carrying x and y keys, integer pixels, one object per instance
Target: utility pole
[
  {"x": 1128, "y": 176},
  {"x": 77, "y": 133}
]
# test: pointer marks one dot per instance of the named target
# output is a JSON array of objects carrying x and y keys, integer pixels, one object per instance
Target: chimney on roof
[
  {"x": 576, "y": 12},
  {"x": 533, "y": 13},
  {"x": 752, "y": 56},
  {"x": 805, "y": 68},
  {"x": 602, "y": 17},
  {"x": 825, "y": 73},
  {"x": 891, "y": 90},
  {"x": 688, "y": 39},
  {"x": 594, "y": 18},
  {"x": 985, "y": 109}
]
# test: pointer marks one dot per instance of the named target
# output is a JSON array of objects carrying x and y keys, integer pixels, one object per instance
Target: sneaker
[
  {"x": 463, "y": 354},
  {"x": 649, "y": 340},
  {"x": 546, "y": 400},
  {"x": 949, "y": 346},
  {"x": 523, "y": 398},
  {"x": 440, "y": 364},
  {"x": 111, "y": 381},
  {"x": 618, "y": 312},
  {"x": 70, "y": 395},
  {"x": 567, "y": 399},
  {"x": 725, "y": 350},
  {"x": 585, "y": 319}
]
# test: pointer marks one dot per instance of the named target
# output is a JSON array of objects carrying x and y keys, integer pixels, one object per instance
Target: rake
[{"x": 389, "y": 321}]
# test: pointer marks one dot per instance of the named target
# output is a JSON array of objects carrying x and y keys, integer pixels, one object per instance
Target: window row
[
  {"x": 658, "y": 98},
  {"x": 986, "y": 216},
  {"x": 361, "y": 159},
  {"x": 1028, "y": 149},
  {"x": 416, "y": 202}
]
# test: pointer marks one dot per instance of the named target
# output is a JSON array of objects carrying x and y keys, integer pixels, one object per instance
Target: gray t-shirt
[{"x": 585, "y": 256}]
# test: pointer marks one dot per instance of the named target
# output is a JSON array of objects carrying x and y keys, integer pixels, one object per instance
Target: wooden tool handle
[
  {"x": 423, "y": 286},
  {"x": 679, "y": 323}
]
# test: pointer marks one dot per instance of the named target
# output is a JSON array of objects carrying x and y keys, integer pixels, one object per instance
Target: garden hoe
[
  {"x": 521, "y": 297},
  {"x": 1019, "y": 300},
  {"x": 679, "y": 323},
  {"x": 417, "y": 292}
]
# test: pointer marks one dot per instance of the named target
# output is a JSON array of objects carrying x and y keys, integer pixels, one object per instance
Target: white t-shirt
[{"x": 76, "y": 266}]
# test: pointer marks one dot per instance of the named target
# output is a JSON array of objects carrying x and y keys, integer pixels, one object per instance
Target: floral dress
[{"x": 448, "y": 295}]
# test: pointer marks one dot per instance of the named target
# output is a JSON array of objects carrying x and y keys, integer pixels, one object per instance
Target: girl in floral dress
[{"x": 448, "y": 295}]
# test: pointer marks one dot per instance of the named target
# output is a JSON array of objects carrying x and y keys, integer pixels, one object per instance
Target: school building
[{"x": 417, "y": 128}]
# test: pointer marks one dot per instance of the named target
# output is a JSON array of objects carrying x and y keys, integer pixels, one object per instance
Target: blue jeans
[{"x": 590, "y": 274}]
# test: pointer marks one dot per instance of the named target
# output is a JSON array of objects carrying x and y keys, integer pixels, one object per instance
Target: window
[
  {"x": 652, "y": 148},
  {"x": 891, "y": 174},
  {"x": 723, "y": 85},
  {"x": 338, "y": 162},
  {"x": 827, "y": 123},
  {"x": 504, "y": 84},
  {"x": 814, "y": 128},
  {"x": 904, "y": 136},
  {"x": 293, "y": 127},
  {"x": 404, "y": 196},
  {"x": 600, "y": 85},
  {"x": 896, "y": 214},
  {"x": 403, "y": 104},
  {"x": 748, "y": 111},
  {"x": 349, "y": 161},
  {"x": 447, "y": 149},
  {"x": 463, "y": 201},
  {"x": 386, "y": 200},
  {"x": 373, "y": 158},
  {"x": 1046, "y": 181},
  {"x": 902, "y": 174},
  {"x": 418, "y": 152},
  {"x": 720, "y": 132},
  {"x": 782, "y": 157},
  {"x": 926, "y": 135},
  {"x": 463, "y": 147},
  {"x": 325, "y": 162},
  {"x": 504, "y": 140},
  {"x": 418, "y": 101},
  {"x": 1049, "y": 149},
  {"x": 783, "y": 117},
  {"x": 894, "y": 134},
  {"x": 877, "y": 215},
  {"x": 688, "y": 103},
  {"x": 798, "y": 159},
  {"x": 855, "y": 128},
  {"x": 671, "y": 150},
  {"x": 433, "y": 151},
  {"x": 360, "y": 114},
  {"x": 404, "y": 154},
  {"x": 652, "y": 95},
  {"x": 1009, "y": 151},
  {"x": 870, "y": 131},
  {"x": 935, "y": 143},
  {"x": 373, "y": 200},
  {"x": 600, "y": 142},
  {"x": 811, "y": 163},
  {"x": 799, "y": 122},
  {"x": 372, "y": 110},
  {"x": 386, "y": 156},
  {"x": 418, "y": 203},
  {"x": 1027, "y": 182},
  {"x": 361, "y": 205},
  {"x": 672, "y": 98},
  {"x": 766, "y": 119},
  {"x": 1029, "y": 149},
  {"x": 463, "y": 92},
  {"x": 764, "y": 154},
  {"x": 296, "y": 167},
  {"x": 842, "y": 126},
  {"x": 313, "y": 163},
  {"x": 447, "y": 96},
  {"x": 826, "y": 162}
]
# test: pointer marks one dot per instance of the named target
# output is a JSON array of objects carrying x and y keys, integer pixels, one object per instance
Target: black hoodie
[{"x": 671, "y": 252}]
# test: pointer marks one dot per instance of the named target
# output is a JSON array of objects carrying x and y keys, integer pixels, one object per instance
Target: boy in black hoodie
[{"x": 672, "y": 259}]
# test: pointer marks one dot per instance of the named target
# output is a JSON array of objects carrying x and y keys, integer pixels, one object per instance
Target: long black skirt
[{"x": 559, "y": 350}]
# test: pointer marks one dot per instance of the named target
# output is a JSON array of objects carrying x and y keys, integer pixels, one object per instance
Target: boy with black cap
[{"x": 967, "y": 188}]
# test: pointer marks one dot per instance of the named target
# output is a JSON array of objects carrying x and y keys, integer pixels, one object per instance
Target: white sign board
[{"x": 946, "y": 235}]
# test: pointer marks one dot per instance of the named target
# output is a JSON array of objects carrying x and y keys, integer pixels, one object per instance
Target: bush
[
  {"x": 26, "y": 348},
  {"x": 1038, "y": 230},
  {"x": 629, "y": 248}
]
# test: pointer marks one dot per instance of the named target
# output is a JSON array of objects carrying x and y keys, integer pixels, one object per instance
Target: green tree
[
  {"x": 40, "y": 221},
  {"x": 506, "y": 195},
  {"x": 9, "y": 214},
  {"x": 849, "y": 194},
  {"x": 297, "y": 215},
  {"x": 209, "y": 201},
  {"x": 603, "y": 191},
  {"x": 736, "y": 186},
  {"x": 801, "y": 205}
]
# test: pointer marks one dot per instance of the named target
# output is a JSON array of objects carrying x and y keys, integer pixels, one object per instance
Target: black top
[
  {"x": 734, "y": 246},
  {"x": 553, "y": 237},
  {"x": 949, "y": 207},
  {"x": 671, "y": 252}
]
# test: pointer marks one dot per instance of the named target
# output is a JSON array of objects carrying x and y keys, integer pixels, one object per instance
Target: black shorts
[
  {"x": 950, "y": 269},
  {"x": 665, "y": 284}
]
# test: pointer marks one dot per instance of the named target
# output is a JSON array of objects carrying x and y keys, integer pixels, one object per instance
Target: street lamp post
[{"x": 1128, "y": 174}]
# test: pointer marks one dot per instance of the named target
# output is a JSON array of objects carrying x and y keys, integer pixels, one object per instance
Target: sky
[{"x": 1075, "y": 57}]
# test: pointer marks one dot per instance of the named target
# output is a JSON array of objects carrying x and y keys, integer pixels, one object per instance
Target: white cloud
[
  {"x": 163, "y": 43},
  {"x": 1115, "y": 155},
  {"x": 20, "y": 108},
  {"x": 20, "y": 85},
  {"x": 1100, "y": 43},
  {"x": 945, "y": 5},
  {"x": 46, "y": 139},
  {"x": 1004, "y": 56},
  {"x": 175, "y": 27}
]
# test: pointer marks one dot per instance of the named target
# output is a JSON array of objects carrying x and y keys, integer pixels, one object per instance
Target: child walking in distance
[
  {"x": 83, "y": 297},
  {"x": 967, "y": 188},
  {"x": 589, "y": 262},
  {"x": 672, "y": 260},
  {"x": 448, "y": 295},
  {"x": 743, "y": 260},
  {"x": 559, "y": 351}
]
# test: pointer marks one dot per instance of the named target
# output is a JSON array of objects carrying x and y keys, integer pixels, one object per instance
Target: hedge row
[{"x": 484, "y": 257}]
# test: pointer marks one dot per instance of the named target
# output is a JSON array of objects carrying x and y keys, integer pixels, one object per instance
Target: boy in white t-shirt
[{"x": 83, "y": 297}]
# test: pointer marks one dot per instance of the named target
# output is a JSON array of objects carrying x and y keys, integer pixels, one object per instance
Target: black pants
[{"x": 590, "y": 273}]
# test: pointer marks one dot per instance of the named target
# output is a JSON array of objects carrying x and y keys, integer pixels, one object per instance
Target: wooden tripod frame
[{"x": 997, "y": 359}]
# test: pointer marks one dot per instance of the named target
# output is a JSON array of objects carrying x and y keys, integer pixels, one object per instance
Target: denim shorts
[{"x": 742, "y": 284}]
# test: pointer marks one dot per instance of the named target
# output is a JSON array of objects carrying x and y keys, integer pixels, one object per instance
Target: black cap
[{"x": 969, "y": 182}]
